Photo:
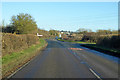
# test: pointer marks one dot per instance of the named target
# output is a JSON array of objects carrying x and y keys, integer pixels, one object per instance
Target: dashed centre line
[{"x": 83, "y": 62}]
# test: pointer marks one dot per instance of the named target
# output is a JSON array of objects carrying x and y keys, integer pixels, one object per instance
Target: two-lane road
[{"x": 58, "y": 60}]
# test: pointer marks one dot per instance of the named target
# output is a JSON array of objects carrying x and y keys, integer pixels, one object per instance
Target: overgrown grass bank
[{"x": 11, "y": 62}]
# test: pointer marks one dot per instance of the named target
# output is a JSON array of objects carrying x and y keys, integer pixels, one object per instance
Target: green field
[{"x": 11, "y": 62}]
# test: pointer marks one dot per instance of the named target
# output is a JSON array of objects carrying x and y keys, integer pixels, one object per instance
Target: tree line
[
  {"x": 106, "y": 38},
  {"x": 21, "y": 24},
  {"x": 26, "y": 24}
]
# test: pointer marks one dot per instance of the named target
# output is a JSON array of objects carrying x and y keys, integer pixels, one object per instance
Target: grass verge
[
  {"x": 12, "y": 62},
  {"x": 109, "y": 51},
  {"x": 75, "y": 41}
]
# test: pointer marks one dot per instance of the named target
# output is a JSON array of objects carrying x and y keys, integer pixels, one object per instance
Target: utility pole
[{"x": 3, "y": 24}]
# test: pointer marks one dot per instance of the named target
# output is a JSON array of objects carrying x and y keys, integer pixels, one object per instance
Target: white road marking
[
  {"x": 83, "y": 62},
  {"x": 20, "y": 68},
  {"x": 95, "y": 74}
]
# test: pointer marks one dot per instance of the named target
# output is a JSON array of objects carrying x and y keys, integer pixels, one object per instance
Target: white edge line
[{"x": 19, "y": 69}]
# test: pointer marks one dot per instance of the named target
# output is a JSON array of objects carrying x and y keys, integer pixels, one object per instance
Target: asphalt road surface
[{"x": 69, "y": 60}]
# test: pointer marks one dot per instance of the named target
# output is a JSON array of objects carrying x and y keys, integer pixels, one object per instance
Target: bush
[
  {"x": 90, "y": 37},
  {"x": 107, "y": 41},
  {"x": 8, "y": 29},
  {"x": 14, "y": 43}
]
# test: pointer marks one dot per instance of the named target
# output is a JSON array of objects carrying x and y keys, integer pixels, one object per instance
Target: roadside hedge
[
  {"x": 14, "y": 43},
  {"x": 109, "y": 41}
]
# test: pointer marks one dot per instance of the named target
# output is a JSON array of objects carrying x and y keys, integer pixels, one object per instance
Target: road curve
[{"x": 69, "y": 60}]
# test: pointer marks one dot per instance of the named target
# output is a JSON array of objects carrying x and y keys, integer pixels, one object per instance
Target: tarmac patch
[{"x": 76, "y": 48}]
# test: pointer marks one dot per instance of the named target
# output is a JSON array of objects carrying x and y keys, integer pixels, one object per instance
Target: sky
[{"x": 68, "y": 16}]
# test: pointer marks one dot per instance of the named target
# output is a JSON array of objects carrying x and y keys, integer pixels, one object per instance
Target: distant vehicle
[
  {"x": 56, "y": 37},
  {"x": 39, "y": 35}
]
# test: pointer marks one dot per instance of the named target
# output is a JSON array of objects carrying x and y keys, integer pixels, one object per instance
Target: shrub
[
  {"x": 90, "y": 37},
  {"x": 107, "y": 41},
  {"x": 14, "y": 43}
]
